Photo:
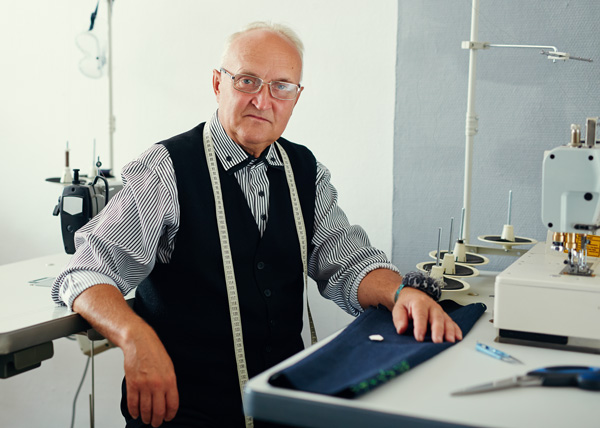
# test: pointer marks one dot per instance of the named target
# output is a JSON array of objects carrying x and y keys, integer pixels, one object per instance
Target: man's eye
[
  {"x": 283, "y": 86},
  {"x": 247, "y": 81}
]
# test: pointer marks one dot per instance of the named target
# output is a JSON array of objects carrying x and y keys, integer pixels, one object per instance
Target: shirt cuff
[
  {"x": 77, "y": 282},
  {"x": 354, "y": 292}
]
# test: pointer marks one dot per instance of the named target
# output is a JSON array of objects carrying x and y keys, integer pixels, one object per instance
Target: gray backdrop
[{"x": 525, "y": 105}]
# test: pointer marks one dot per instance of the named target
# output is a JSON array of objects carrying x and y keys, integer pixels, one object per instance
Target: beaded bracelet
[
  {"x": 430, "y": 286},
  {"x": 398, "y": 292}
]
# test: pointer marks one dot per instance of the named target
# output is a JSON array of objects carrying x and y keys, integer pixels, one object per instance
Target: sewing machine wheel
[
  {"x": 462, "y": 270},
  {"x": 454, "y": 284},
  {"x": 497, "y": 239},
  {"x": 472, "y": 258}
]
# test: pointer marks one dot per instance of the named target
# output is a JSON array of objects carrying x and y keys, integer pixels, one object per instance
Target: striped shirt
[{"x": 120, "y": 245}]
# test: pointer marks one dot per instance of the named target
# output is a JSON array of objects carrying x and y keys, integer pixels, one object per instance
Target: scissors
[{"x": 583, "y": 377}]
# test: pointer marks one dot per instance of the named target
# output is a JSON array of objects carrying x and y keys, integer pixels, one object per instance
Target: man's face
[{"x": 256, "y": 120}]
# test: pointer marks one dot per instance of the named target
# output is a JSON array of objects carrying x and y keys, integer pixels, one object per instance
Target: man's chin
[
  {"x": 255, "y": 144},
  {"x": 258, "y": 135}
]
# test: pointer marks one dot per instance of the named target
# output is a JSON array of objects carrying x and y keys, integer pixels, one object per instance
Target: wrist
[{"x": 397, "y": 293}]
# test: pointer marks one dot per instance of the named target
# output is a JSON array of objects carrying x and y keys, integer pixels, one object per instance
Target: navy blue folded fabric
[{"x": 352, "y": 364}]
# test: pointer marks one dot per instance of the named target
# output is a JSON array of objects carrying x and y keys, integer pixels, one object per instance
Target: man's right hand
[
  {"x": 149, "y": 373},
  {"x": 150, "y": 379}
]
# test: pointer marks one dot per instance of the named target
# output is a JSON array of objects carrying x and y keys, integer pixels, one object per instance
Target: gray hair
[{"x": 280, "y": 29}]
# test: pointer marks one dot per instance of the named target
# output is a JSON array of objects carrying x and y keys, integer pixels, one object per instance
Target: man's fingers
[
  {"x": 400, "y": 318},
  {"x": 420, "y": 318},
  {"x": 172, "y": 403},
  {"x": 158, "y": 409},
  {"x": 146, "y": 406},
  {"x": 438, "y": 325},
  {"x": 153, "y": 408},
  {"x": 133, "y": 401},
  {"x": 457, "y": 331}
]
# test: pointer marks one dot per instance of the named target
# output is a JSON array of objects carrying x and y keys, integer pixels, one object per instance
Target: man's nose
[{"x": 262, "y": 99}]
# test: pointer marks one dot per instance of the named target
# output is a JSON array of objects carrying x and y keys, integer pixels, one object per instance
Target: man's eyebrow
[
  {"x": 281, "y": 79},
  {"x": 249, "y": 73}
]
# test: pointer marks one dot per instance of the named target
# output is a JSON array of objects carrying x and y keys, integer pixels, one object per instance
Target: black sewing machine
[{"x": 80, "y": 201}]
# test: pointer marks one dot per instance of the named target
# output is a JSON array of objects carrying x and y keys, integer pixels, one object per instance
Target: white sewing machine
[{"x": 550, "y": 296}]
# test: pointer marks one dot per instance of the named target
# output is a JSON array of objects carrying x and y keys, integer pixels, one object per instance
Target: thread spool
[
  {"x": 508, "y": 233},
  {"x": 448, "y": 264},
  {"x": 66, "y": 176},
  {"x": 437, "y": 272},
  {"x": 460, "y": 251}
]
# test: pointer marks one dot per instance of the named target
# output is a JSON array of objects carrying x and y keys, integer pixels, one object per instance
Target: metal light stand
[
  {"x": 111, "y": 117},
  {"x": 472, "y": 120}
]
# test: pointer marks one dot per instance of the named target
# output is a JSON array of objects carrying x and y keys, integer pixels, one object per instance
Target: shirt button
[
  {"x": 229, "y": 158},
  {"x": 268, "y": 348},
  {"x": 261, "y": 193},
  {"x": 263, "y": 216},
  {"x": 260, "y": 265},
  {"x": 267, "y": 292},
  {"x": 272, "y": 158},
  {"x": 273, "y": 322}
]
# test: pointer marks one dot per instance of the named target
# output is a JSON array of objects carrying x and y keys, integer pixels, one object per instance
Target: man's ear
[{"x": 216, "y": 81}]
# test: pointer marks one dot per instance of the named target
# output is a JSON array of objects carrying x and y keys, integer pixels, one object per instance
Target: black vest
[{"x": 185, "y": 301}]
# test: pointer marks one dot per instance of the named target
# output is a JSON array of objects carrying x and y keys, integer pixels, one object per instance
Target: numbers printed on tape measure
[{"x": 234, "y": 310}]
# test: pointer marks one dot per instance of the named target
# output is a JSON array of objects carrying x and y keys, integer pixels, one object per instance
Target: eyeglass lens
[{"x": 252, "y": 84}]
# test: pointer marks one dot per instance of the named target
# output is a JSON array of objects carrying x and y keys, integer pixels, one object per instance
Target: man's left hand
[
  {"x": 379, "y": 287},
  {"x": 423, "y": 310}
]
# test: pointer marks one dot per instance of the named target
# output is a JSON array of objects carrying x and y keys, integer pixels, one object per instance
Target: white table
[
  {"x": 29, "y": 319},
  {"x": 421, "y": 396}
]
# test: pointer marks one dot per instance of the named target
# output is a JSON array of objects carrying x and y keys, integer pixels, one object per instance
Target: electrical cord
[
  {"x": 93, "y": 17},
  {"x": 87, "y": 364}
]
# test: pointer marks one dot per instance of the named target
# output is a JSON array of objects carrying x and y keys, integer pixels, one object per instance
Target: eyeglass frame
[{"x": 262, "y": 82}]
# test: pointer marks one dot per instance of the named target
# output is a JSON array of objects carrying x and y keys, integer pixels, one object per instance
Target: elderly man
[{"x": 212, "y": 224}]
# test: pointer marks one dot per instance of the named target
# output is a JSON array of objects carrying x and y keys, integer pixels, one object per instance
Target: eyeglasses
[{"x": 252, "y": 84}]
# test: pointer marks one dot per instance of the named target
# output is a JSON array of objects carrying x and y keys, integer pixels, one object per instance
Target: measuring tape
[
  {"x": 299, "y": 220},
  {"x": 234, "y": 307}
]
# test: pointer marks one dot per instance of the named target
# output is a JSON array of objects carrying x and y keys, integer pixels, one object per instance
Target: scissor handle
[
  {"x": 589, "y": 381},
  {"x": 584, "y": 377}
]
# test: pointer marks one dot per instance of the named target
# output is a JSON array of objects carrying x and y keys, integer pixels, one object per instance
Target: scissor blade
[{"x": 498, "y": 384}]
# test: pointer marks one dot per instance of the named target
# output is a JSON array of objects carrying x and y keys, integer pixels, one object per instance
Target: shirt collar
[{"x": 232, "y": 156}]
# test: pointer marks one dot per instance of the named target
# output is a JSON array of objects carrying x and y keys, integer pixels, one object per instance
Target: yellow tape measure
[
  {"x": 300, "y": 229},
  {"x": 234, "y": 308}
]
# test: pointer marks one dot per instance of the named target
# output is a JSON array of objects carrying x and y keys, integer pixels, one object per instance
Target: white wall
[{"x": 164, "y": 53}]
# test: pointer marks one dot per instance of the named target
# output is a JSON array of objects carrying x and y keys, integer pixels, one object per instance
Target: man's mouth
[{"x": 260, "y": 118}]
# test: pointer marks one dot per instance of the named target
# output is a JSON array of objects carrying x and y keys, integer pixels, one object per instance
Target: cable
[
  {"x": 106, "y": 187},
  {"x": 87, "y": 364},
  {"x": 93, "y": 17}
]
